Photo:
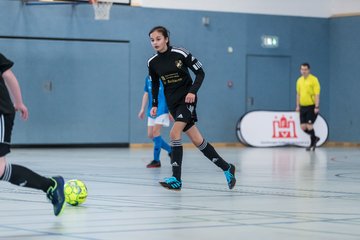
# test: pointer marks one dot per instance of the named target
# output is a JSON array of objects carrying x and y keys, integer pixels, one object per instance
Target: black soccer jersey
[
  {"x": 6, "y": 105},
  {"x": 172, "y": 67}
]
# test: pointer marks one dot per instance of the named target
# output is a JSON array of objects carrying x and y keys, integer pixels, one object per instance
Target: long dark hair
[{"x": 163, "y": 31}]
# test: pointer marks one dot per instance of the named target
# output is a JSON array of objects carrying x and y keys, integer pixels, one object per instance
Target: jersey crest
[{"x": 178, "y": 64}]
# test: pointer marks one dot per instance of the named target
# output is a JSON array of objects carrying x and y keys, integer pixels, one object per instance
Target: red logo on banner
[{"x": 284, "y": 128}]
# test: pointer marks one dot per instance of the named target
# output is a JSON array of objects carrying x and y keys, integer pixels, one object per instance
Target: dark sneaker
[
  {"x": 56, "y": 194},
  {"x": 313, "y": 145},
  {"x": 171, "y": 183},
  {"x": 230, "y": 176},
  {"x": 154, "y": 164}
]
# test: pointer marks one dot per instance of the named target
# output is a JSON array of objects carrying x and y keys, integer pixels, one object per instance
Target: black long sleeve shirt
[{"x": 172, "y": 67}]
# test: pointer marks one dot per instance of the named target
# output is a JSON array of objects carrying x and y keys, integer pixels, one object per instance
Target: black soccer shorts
[
  {"x": 6, "y": 125},
  {"x": 307, "y": 114},
  {"x": 185, "y": 113}
]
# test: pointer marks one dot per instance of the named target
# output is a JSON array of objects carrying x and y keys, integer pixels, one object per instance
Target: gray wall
[
  {"x": 301, "y": 39},
  {"x": 345, "y": 79}
]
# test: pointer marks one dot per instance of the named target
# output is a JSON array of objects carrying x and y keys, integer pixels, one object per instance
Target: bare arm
[
  {"x": 317, "y": 103},
  {"x": 317, "y": 100},
  {"x": 15, "y": 91},
  {"x": 144, "y": 102}
]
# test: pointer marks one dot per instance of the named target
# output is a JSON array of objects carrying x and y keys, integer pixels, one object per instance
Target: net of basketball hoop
[{"x": 101, "y": 9}]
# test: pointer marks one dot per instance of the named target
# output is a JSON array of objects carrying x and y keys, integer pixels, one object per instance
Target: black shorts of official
[
  {"x": 307, "y": 114},
  {"x": 6, "y": 125},
  {"x": 185, "y": 113}
]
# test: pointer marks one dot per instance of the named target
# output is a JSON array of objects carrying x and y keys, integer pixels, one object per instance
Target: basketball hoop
[{"x": 101, "y": 9}]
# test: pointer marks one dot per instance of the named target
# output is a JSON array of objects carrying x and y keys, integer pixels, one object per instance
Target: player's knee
[
  {"x": 150, "y": 133},
  {"x": 175, "y": 135},
  {"x": 155, "y": 133}
]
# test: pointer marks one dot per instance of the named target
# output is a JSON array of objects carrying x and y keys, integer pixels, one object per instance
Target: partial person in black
[
  {"x": 16, "y": 174},
  {"x": 171, "y": 65}
]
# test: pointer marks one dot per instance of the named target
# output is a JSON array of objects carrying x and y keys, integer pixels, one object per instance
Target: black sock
[
  {"x": 209, "y": 151},
  {"x": 312, "y": 133},
  {"x": 176, "y": 158},
  {"x": 24, "y": 177}
]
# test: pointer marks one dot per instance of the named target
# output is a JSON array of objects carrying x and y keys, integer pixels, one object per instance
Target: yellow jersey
[{"x": 307, "y": 88}]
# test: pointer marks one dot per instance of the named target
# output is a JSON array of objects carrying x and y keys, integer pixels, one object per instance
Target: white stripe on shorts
[{"x": 2, "y": 129}]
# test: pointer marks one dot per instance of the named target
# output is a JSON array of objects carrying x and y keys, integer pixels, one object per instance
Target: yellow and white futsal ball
[{"x": 75, "y": 192}]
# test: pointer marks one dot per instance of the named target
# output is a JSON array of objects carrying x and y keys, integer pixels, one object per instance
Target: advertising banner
[{"x": 275, "y": 128}]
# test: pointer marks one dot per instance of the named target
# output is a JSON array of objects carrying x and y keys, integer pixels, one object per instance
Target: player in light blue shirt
[{"x": 155, "y": 123}]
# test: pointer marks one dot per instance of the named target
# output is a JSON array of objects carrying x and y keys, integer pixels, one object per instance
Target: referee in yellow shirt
[{"x": 307, "y": 102}]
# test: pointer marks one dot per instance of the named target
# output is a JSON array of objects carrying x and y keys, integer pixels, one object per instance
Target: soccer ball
[{"x": 75, "y": 192}]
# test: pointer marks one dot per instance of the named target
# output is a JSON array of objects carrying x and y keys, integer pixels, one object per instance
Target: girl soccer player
[{"x": 171, "y": 65}]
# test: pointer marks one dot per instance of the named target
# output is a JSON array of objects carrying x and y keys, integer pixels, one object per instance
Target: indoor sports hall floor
[{"x": 281, "y": 193}]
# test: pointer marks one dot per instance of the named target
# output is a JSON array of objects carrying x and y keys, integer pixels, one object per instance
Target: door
[{"x": 267, "y": 83}]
